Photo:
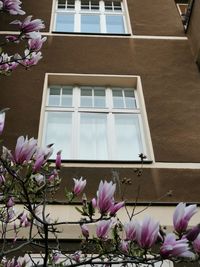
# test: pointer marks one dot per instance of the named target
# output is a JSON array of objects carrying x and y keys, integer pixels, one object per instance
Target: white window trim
[
  {"x": 124, "y": 13},
  {"x": 113, "y": 80}
]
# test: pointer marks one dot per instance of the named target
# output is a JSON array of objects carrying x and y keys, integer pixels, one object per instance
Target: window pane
[
  {"x": 108, "y": 5},
  {"x": 90, "y": 23},
  {"x": 86, "y": 97},
  {"x": 58, "y": 132},
  {"x": 130, "y": 99},
  {"x": 65, "y": 23},
  {"x": 70, "y": 4},
  {"x": 61, "y": 4},
  {"x": 128, "y": 143},
  {"x": 94, "y": 4},
  {"x": 118, "y": 98},
  {"x": 114, "y": 24},
  {"x": 117, "y": 5},
  {"x": 93, "y": 139},
  {"x": 85, "y": 4},
  {"x": 99, "y": 98},
  {"x": 67, "y": 97},
  {"x": 54, "y": 97}
]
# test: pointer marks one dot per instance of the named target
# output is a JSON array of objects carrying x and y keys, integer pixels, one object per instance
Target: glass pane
[
  {"x": 117, "y": 5},
  {"x": 94, "y": 4},
  {"x": 59, "y": 132},
  {"x": 114, "y": 24},
  {"x": 70, "y": 4},
  {"x": 85, "y": 4},
  {"x": 64, "y": 23},
  {"x": 61, "y": 4},
  {"x": 130, "y": 99},
  {"x": 90, "y": 23},
  {"x": 118, "y": 98},
  {"x": 66, "y": 97},
  {"x": 108, "y": 5},
  {"x": 99, "y": 98},
  {"x": 93, "y": 139},
  {"x": 54, "y": 97},
  {"x": 128, "y": 143},
  {"x": 86, "y": 97}
]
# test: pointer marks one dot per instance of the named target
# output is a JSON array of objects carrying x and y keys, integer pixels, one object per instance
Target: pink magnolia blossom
[
  {"x": 105, "y": 196},
  {"x": 115, "y": 207},
  {"x": 10, "y": 202},
  {"x": 193, "y": 233},
  {"x": 41, "y": 156},
  {"x": 77, "y": 256},
  {"x": 24, "y": 221},
  {"x": 24, "y": 150},
  {"x": 103, "y": 228},
  {"x": 79, "y": 185},
  {"x": 31, "y": 58},
  {"x": 124, "y": 246},
  {"x": 85, "y": 230},
  {"x": 147, "y": 232},
  {"x": 35, "y": 44},
  {"x": 182, "y": 215},
  {"x": 2, "y": 121},
  {"x": 130, "y": 230},
  {"x": 12, "y": 6},
  {"x": 56, "y": 255},
  {"x": 28, "y": 26},
  {"x": 58, "y": 160},
  {"x": 196, "y": 244},
  {"x": 175, "y": 248}
]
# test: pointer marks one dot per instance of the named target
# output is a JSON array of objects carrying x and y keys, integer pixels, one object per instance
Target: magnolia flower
[
  {"x": 175, "y": 248},
  {"x": 10, "y": 202},
  {"x": 115, "y": 207},
  {"x": 193, "y": 233},
  {"x": 196, "y": 244},
  {"x": 28, "y": 26},
  {"x": 39, "y": 178},
  {"x": 76, "y": 256},
  {"x": 35, "y": 44},
  {"x": 56, "y": 255},
  {"x": 130, "y": 230},
  {"x": 147, "y": 232},
  {"x": 79, "y": 186},
  {"x": 2, "y": 121},
  {"x": 24, "y": 149},
  {"x": 182, "y": 215},
  {"x": 41, "y": 156},
  {"x": 124, "y": 246},
  {"x": 105, "y": 196},
  {"x": 31, "y": 58},
  {"x": 103, "y": 228},
  {"x": 58, "y": 160},
  {"x": 24, "y": 221},
  {"x": 12, "y": 6},
  {"x": 85, "y": 231}
]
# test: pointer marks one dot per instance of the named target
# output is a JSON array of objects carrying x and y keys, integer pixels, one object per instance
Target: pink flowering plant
[
  {"x": 29, "y": 182},
  {"x": 28, "y": 33}
]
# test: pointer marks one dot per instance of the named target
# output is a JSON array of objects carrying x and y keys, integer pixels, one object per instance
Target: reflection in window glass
[
  {"x": 93, "y": 137},
  {"x": 61, "y": 4},
  {"x": 128, "y": 144},
  {"x": 64, "y": 23},
  {"x": 86, "y": 97},
  {"x": 108, "y": 5},
  {"x": 118, "y": 98},
  {"x": 94, "y": 4},
  {"x": 99, "y": 98},
  {"x": 115, "y": 24},
  {"x": 90, "y": 23},
  {"x": 58, "y": 132},
  {"x": 85, "y": 4},
  {"x": 117, "y": 5},
  {"x": 54, "y": 97},
  {"x": 67, "y": 97},
  {"x": 70, "y": 4},
  {"x": 130, "y": 99}
]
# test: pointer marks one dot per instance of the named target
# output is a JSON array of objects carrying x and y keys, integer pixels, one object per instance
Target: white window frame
[
  {"x": 101, "y": 12},
  {"x": 100, "y": 80}
]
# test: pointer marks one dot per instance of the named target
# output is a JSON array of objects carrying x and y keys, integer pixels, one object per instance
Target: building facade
[{"x": 117, "y": 78}]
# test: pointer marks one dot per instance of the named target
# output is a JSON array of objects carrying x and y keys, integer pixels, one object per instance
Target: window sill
[
  {"x": 89, "y": 33},
  {"x": 105, "y": 161}
]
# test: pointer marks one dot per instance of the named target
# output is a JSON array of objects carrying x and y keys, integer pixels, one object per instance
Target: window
[
  {"x": 94, "y": 122},
  {"x": 184, "y": 8},
  {"x": 90, "y": 16}
]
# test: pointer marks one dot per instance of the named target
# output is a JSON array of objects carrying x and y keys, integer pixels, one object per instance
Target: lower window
[{"x": 94, "y": 123}]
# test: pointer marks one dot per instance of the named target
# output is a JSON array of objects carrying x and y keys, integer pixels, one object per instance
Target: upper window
[
  {"x": 94, "y": 122},
  {"x": 90, "y": 16}
]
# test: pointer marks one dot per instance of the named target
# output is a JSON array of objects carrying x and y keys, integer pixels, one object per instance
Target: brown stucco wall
[
  {"x": 170, "y": 83},
  {"x": 152, "y": 186},
  {"x": 194, "y": 28}
]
